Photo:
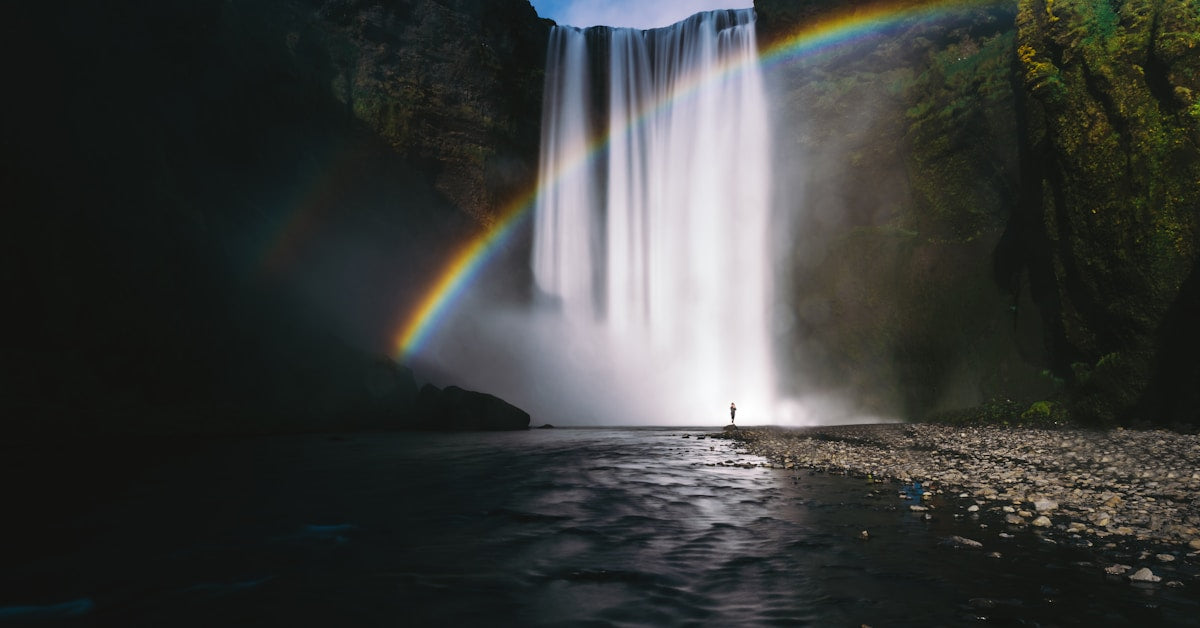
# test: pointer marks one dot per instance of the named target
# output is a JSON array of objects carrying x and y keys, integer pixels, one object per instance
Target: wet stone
[{"x": 1144, "y": 575}]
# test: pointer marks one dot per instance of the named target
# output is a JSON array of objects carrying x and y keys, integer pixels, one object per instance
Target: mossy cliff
[
  {"x": 217, "y": 212},
  {"x": 1108, "y": 224},
  {"x": 997, "y": 204},
  {"x": 898, "y": 166},
  {"x": 455, "y": 85}
]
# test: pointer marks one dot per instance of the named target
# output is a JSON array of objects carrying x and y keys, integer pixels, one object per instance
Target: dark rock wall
[
  {"x": 454, "y": 84},
  {"x": 216, "y": 212}
]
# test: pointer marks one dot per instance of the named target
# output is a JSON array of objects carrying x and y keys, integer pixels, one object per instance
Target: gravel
[{"x": 1098, "y": 486}]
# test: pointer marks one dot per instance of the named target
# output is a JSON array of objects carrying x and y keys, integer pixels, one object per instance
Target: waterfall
[{"x": 650, "y": 231}]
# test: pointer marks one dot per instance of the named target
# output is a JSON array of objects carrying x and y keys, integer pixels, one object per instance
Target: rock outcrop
[
  {"x": 456, "y": 410},
  {"x": 454, "y": 85}
]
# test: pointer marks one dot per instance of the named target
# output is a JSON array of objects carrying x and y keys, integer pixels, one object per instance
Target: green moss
[
  {"x": 1120, "y": 192},
  {"x": 1006, "y": 413},
  {"x": 1039, "y": 410}
]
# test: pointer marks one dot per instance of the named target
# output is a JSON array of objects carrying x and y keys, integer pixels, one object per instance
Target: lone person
[{"x": 732, "y": 411}]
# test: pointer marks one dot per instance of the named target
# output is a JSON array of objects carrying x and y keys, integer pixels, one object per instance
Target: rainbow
[
  {"x": 304, "y": 221},
  {"x": 458, "y": 274},
  {"x": 822, "y": 35}
]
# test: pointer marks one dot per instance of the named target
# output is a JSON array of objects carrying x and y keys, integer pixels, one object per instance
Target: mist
[
  {"x": 902, "y": 170},
  {"x": 883, "y": 215},
  {"x": 654, "y": 268}
]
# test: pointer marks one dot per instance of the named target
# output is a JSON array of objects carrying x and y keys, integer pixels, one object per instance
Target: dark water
[{"x": 547, "y": 527}]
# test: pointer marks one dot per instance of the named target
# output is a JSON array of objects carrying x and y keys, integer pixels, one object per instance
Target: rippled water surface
[{"x": 546, "y": 527}]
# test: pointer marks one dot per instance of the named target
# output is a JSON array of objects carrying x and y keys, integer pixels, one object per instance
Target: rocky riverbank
[{"x": 1134, "y": 493}]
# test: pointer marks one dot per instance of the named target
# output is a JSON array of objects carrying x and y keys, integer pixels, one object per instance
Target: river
[{"x": 559, "y": 527}]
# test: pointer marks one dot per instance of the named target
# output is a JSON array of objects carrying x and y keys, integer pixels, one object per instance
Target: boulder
[
  {"x": 1144, "y": 575},
  {"x": 456, "y": 409}
]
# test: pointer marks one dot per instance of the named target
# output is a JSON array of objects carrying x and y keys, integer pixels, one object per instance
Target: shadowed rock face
[
  {"x": 454, "y": 85},
  {"x": 216, "y": 212},
  {"x": 1009, "y": 192}
]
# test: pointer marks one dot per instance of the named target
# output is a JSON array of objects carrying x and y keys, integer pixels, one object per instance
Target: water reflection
[{"x": 548, "y": 527}]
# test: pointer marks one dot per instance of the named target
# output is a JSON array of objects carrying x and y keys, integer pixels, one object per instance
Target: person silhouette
[{"x": 732, "y": 411}]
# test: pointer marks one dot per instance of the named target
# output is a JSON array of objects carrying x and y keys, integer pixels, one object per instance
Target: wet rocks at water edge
[
  {"x": 1122, "y": 491},
  {"x": 1144, "y": 575},
  {"x": 961, "y": 542}
]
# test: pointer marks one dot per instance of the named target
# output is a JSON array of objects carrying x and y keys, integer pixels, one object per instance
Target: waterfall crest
[{"x": 650, "y": 232}]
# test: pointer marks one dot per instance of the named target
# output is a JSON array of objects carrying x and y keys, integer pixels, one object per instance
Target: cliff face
[
  {"x": 216, "y": 211},
  {"x": 1001, "y": 203},
  {"x": 899, "y": 167},
  {"x": 1109, "y": 222},
  {"x": 456, "y": 85}
]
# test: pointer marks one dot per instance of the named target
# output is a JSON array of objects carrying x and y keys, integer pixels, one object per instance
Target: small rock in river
[
  {"x": 1144, "y": 575},
  {"x": 1012, "y": 519},
  {"x": 1042, "y": 522},
  {"x": 1116, "y": 570},
  {"x": 1165, "y": 558},
  {"x": 973, "y": 508},
  {"x": 916, "y": 508},
  {"x": 962, "y": 541}
]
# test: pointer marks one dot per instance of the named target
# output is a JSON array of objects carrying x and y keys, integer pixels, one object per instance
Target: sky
[{"x": 632, "y": 13}]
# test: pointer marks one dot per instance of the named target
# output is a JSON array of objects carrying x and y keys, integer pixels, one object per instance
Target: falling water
[{"x": 651, "y": 231}]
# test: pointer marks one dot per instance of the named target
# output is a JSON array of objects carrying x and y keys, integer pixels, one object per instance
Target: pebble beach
[{"x": 1122, "y": 491}]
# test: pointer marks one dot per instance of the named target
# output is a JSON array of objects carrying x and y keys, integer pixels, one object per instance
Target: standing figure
[{"x": 732, "y": 411}]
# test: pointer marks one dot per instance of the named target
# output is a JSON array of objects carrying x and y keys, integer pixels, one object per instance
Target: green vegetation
[
  {"x": 1008, "y": 413},
  {"x": 1045, "y": 153},
  {"x": 1121, "y": 193}
]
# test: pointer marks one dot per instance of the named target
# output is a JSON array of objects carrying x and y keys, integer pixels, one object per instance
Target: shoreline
[{"x": 1118, "y": 492}]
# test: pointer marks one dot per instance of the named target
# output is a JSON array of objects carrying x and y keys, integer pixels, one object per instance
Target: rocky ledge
[{"x": 1103, "y": 488}]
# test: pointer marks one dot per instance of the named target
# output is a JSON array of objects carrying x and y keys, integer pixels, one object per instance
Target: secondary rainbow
[{"x": 822, "y": 35}]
